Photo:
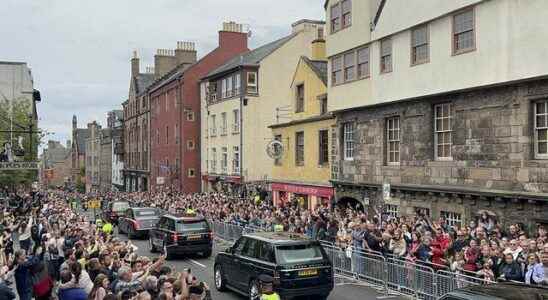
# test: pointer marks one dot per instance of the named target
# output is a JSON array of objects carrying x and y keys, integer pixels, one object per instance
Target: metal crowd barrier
[{"x": 422, "y": 280}]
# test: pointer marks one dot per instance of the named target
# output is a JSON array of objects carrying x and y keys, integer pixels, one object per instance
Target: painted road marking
[{"x": 197, "y": 263}]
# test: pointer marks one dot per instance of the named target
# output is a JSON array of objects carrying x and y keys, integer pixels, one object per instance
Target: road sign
[
  {"x": 19, "y": 165},
  {"x": 386, "y": 191}
]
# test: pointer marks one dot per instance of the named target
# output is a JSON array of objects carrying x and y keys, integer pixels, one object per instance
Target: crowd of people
[
  {"x": 482, "y": 248},
  {"x": 50, "y": 251}
]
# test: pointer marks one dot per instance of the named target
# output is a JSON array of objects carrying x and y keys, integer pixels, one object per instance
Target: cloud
[{"x": 79, "y": 51}]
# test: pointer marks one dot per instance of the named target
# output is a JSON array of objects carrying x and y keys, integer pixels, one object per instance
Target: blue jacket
[
  {"x": 6, "y": 292},
  {"x": 73, "y": 294},
  {"x": 22, "y": 275},
  {"x": 534, "y": 274}
]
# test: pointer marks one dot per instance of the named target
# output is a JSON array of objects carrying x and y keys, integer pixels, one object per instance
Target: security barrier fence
[{"x": 422, "y": 280}]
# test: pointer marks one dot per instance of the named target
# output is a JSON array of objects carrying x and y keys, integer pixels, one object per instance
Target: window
[
  {"x": 176, "y": 134},
  {"x": 541, "y": 129},
  {"x": 213, "y": 129},
  {"x": 191, "y": 173},
  {"x": 323, "y": 105},
  {"x": 223, "y": 88},
  {"x": 393, "y": 140},
  {"x": 190, "y": 116},
  {"x": 190, "y": 145},
  {"x": 229, "y": 86},
  {"x": 299, "y": 101},
  {"x": 363, "y": 62},
  {"x": 236, "y": 160},
  {"x": 278, "y": 161},
  {"x": 393, "y": 211},
  {"x": 323, "y": 149},
  {"x": 348, "y": 140},
  {"x": 223, "y": 123},
  {"x": 463, "y": 32},
  {"x": 349, "y": 66},
  {"x": 157, "y": 136},
  {"x": 453, "y": 219},
  {"x": 237, "y": 84},
  {"x": 299, "y": 148},
  {"x": 386, "y": 55},
  {"x": 336, "y": 70},
  {"x": 212, "y": 91},
  {"x": 419, "y": 45},
  {"x": 252, "y": 83},
  {"x": 335, "y": 18},
  {"x": 236, "y": 121},
  {"x": 213, "y": 160},
  {"x": 224, "y": 159},
  {"x": 442, "y": 137},
  {"x": 167, "y": 135},
  {"x": 166, "y": 99},
  {"x": 346, "y": 13}
]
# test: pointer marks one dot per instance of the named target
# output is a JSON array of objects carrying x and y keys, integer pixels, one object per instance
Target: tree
[{"x": 22, "y": 119}]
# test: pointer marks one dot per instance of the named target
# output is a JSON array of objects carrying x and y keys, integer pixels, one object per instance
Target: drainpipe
[{"x": 242, "y": 98}]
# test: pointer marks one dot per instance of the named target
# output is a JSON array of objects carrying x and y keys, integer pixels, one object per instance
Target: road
[{"x": 202, "y": 268}]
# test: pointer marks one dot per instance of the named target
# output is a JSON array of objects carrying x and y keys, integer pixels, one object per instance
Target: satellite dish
[{"x": 275, "y": 149}]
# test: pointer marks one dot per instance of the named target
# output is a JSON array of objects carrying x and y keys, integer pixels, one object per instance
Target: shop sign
[
  {"x": 19, "y": 165},
  {"x": 326, "y": 192}
]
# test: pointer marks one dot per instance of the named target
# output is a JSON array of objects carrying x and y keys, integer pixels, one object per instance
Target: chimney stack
[
  {"x": 234, "y": 36},
  {"x": 185, "y": 52},
  {"x": 134, "y": 64},
  {"x": 318, "y": 49},
  {"x": 164, "y": 61},
  {"x": 307, "y": 25}
]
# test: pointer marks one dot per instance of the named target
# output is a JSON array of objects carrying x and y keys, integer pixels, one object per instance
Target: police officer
[{"x": 267, "y": 288}]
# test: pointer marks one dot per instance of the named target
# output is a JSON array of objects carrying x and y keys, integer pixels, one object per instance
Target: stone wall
[{"x": 492, "y": 150}]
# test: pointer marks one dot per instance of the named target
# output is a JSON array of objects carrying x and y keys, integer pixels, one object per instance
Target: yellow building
[
  {"x": 301, "y": 170},
  {"x": 240, "y": 100}
]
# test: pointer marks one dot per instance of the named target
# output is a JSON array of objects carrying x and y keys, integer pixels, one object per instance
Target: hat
[{"x": 266, "y": 278}]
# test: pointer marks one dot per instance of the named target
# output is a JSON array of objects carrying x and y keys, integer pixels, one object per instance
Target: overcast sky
[{"x": 79, "y": 50}]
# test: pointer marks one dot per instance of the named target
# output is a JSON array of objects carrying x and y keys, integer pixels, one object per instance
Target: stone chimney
[
  {"x": 185, "y": 52},
  {"x": 305, "y": 24},
  {"x": 164, "y": 61},
  {"x": 134, "y": 64},
  {"x": 318, "y": 49},
  {"x": 233, "y": 36}
]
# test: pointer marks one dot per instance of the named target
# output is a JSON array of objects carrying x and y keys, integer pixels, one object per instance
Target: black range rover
[
  {"x": 300, "y": 266},
  {"x": 184, "y": 234}
]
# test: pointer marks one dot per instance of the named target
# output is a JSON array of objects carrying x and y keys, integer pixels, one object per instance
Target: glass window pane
[
  {"x": 445, "y": 110},
  {"x": 542, "y": 134},
  {"x": 349, "y": 59},
  {"x": 445, "y": 124},
  {"x": 363, "y": 55},
  {"x": 541, "y": 121},
  {"x": 386, "y": 47},
  {"x": 542, "y": 148},
  {"x": 541, "y": 107}
]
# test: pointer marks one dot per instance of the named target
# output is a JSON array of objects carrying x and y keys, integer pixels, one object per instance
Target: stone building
[
  {"x": 136, "y": 129},
  {"x": 93, "y": 157},
  {"x": 440, "y": 103},
  {"x": 56, "y": 168},
  {"x": 105, "y": 160},
  {"x": 78, "y": 154}
]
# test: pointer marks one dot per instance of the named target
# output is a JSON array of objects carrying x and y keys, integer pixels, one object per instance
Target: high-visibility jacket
[
  {"x": 272, "y": 296},
  {"x": 107, "y": 228},
  {"x": 278, "y": 228}
]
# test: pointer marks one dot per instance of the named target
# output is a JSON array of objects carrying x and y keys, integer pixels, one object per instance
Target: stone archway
[{"x": 350, "y": 202}]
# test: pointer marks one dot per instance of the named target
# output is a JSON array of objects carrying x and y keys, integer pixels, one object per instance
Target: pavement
[{"x": 202, "y": 268}]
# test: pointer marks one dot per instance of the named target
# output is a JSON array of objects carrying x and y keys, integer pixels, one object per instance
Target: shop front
[
  {"x": 222, "y": 184},
  {"x": 306, "y": 196}
]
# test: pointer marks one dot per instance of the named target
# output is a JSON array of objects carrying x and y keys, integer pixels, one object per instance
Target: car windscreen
[
  {"x": 120, "y": 206},
  {"x": 186, "y": 226},
  {"x": 298, "y": 253},
  {"x": 146, "y": 213}
]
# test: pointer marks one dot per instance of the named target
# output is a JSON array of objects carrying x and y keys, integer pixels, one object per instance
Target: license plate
[
  {"x": 195, "y": 237},
  {"x": 309, "y": 272}
]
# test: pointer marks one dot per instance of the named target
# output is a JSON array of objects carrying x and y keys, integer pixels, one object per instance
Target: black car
[
  {"x": 114, "y": 210},
  {"x": 137, "y": 221},
  {"x": 300, "y": 266},
  {"x": 499, "y": 291},
  {"x": 184, "y": 234}
]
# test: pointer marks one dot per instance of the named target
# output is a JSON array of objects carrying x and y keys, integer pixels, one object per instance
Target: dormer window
[{"x": 252, "y": 83}]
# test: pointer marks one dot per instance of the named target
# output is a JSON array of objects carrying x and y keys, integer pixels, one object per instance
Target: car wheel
[
  {"x": 219, "y": 279},
  {"x": 151, "y": 246},
  {"x": 253, "y": 290}
]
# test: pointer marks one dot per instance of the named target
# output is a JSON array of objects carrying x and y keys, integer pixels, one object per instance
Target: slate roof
[
  {"x": 81, "y": 135},
  {"x": 319, "y": 67},
  {"x": 251, "y": 58},
  {"x": 142, "y": 81}
]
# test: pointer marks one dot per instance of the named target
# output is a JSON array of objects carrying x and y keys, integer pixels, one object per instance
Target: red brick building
[{"x": 175, "y": 113}]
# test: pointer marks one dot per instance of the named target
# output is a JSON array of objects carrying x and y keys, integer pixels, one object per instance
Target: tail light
[{"x": 174, "y": 237}]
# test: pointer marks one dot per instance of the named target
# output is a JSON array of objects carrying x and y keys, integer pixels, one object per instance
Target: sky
[{"x": 79, "y": 50}]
